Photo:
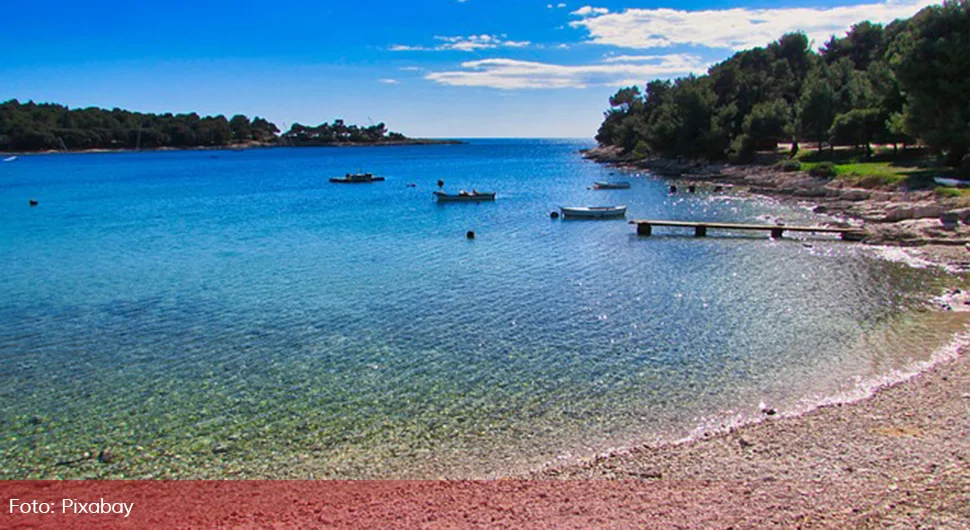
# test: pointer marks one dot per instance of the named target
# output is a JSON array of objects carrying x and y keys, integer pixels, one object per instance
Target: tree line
[
  {"x": 43, "y": 126},
  {"x": 898, "y": 84},
  {"x": 338, "y": 132},
  {"x": 49, "y": 126}
]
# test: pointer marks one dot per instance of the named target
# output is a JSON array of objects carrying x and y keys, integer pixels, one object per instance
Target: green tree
[{"x": 931, "y": 59}]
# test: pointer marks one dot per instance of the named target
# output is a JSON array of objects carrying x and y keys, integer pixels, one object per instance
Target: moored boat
[
  {"x": 464, "y": 196},
  {"x": 356, "y": 178},
  {"x": 593, "y": 212},
  {"x": 611, "y": 185}
]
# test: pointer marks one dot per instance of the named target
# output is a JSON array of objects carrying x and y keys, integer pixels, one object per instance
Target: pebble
[
  {"x": 745, "y": 443},
  {"x": 220, "y": 448}
]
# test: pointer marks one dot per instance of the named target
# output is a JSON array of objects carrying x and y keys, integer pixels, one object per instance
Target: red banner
[{"x": 392, "y": 504}]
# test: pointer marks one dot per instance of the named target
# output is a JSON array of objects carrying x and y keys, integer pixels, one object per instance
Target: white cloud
[
  {"x": 410, "y": 68},
  {"x": 560, "y": 5},
  {"x": 387, "y": 81},
  {"x": 514, "y": 74},
  {"x": 731, "y": 28},
  {"x": 590, "y": 11},
  {"x": 465, "y": 44}
]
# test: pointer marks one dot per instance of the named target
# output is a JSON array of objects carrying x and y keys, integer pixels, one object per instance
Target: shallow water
[{"x": 215, "y": 314}]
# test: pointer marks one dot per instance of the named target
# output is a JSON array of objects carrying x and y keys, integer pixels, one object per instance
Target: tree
[
  {"x": 858, "y": 127},
  {"x": 931, "y": 59},
  {"x": 815, "y": 109}
]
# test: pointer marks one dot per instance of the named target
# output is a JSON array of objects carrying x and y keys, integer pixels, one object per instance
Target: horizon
[{"x": 446, "y": 69}]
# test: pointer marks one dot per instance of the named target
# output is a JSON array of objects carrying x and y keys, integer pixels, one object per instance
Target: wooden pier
[{"x": 645, "y": 228}]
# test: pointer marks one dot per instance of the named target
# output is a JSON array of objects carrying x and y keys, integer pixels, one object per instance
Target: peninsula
[{"x": 38, "y": 127}]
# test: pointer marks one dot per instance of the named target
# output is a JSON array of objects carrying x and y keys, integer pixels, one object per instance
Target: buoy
[
  {"x": 691, "y": 189},
  {"x": 673, "y": 189},
  {"x": 470, "y": 234},
  {"x": 33, "y": 202},
  {"x": 554, "y": 215}
]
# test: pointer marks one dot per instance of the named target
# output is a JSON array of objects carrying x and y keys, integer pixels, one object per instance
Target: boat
[
  {"x": 593, "y": 212},
  {"x": 611, "y": 185},
  {"x": 356, "y": 178},
  {"x": 464, "y": 196},
  {"x": 10, "y": 158}
]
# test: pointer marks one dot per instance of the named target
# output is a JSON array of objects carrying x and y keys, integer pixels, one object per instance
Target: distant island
[{"x": 36, "y": 127}]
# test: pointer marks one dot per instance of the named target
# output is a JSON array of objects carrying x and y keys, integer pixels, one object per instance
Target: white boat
[
  {"x": 611, "y": 185},
  {"x": 464, "y": 196},
  {"x": 10, "y": 158},
  {"x": 356, "y": 178},
  {"x": 593, "y": 212}
]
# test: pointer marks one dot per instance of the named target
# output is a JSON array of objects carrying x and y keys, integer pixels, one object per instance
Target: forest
[
  {"x": 900, "y": 84},
  {"x": 33, "y": 126}
]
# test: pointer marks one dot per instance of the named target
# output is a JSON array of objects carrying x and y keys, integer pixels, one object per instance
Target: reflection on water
[{"x": 241, "y": 317}]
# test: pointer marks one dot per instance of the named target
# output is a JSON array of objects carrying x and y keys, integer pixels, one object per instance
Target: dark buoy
[
  {"x": 673, "y": 189},
  {"x": 412, "y": 185},
  {"x": 470, "y": 234},
  {"x": 691, "y": 189},
  {"x": 33, "y": 202},
  {"x": 554, "y": 215},
  {"x": 441, "y": 184}
]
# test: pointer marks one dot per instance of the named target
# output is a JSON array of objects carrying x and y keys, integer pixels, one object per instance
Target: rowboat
[
  {"x": 611, "y": 185},
  {"x": 356, "y": 178},
  {"x": 593, "y": 212},
  {"x": 464, "y": 196}
]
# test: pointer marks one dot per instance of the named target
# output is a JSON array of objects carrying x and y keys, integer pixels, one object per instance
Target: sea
[{"x": 232, "y": 314}]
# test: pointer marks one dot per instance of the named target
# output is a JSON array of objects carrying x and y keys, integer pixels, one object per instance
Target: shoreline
[
  {"x": 895, "y": 455},
  {"x": 233, "y": 147}
]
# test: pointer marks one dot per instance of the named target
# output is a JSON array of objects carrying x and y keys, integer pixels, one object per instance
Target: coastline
[
  {"x": 235, "y": 147},
  {"x": 894, "y": 456}
]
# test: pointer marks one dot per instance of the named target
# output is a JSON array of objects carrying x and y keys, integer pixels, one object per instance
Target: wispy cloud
[
  {"x": 388, "y": 81},
  {"x": 411, "y": 68},
  {"x": 465, "y": 44},
  {"x": 731, "y": 28},
  {"x": 511, "y": 74}
]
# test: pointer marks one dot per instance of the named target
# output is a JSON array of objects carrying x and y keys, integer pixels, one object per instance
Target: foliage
[
  {"x": 33, "y": 127},
  {"x": 823, "y": 170},
  {"x": 902, "y": 83},
  {"x": 789, "y": 165},
  {"x": 339, "y": 132},
  {"x": 931, "y": 58}
]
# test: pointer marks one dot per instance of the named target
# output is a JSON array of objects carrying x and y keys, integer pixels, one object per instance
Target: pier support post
[
  {"x": 644, "y": 229},
  {"x": 700, "y": 231},
  {"x": 776, "y": 233}
]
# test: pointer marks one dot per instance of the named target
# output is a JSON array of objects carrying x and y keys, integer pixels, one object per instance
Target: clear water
[{"x": 223, "y": 314}]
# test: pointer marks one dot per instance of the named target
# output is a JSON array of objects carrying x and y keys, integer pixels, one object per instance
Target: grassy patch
[{"x": 910, "y": 170}]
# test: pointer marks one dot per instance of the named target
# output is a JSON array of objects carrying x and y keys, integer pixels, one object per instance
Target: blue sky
[{"x": 428, "y": 68}]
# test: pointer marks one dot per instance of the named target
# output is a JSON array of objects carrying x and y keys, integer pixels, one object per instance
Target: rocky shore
[{"x": 937, "y": 227}]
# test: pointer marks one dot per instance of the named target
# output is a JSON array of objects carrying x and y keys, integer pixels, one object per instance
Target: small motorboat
[
  {"x": 611, "y": 185},
  {"x": 356, "y": 178},
  {"x": 10, "y": 158},
  {"x": 464, "y": 196},
  {"x": 593, "y": 212}
]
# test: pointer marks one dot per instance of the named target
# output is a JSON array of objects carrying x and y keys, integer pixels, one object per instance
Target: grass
[{"x": 909, "y": 170}]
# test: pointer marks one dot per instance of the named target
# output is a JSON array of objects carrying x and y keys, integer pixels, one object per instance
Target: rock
[
  {"x": 649, "y": 474},
  {"x": 36, "y": 420},
  {"x": 106, "y": 456},
  {"x": 220, "y": 448},
  {"x": 744, "y": 443},
  {"x": 949, "y": 220},
  {"x": 853, "y": 195},
  {"x": 770, "y": 412}
]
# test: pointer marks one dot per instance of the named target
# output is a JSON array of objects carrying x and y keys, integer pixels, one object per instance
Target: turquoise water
[{"x": 222, "y": 314}]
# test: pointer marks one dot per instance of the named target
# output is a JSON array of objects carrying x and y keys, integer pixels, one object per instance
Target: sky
[{"x": 426, "y": 68}]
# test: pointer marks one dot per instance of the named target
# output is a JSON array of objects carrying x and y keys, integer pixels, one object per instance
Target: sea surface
[{"x": 211, "y": 314}]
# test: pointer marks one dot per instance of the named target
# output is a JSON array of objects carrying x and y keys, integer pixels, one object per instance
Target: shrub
[
  {"x": 789, "y": 165},
  {"x": 824, "y": 170},
  {"x": 742, "y": 150}
]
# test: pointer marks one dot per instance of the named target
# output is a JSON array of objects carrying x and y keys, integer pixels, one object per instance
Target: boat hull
[
  {"x": 477, "y": 197},
  {"x": 593, "y": 212},
  {"x": 611, "y": 185}
]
